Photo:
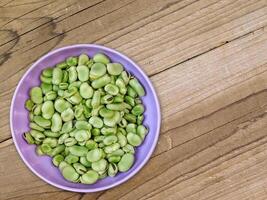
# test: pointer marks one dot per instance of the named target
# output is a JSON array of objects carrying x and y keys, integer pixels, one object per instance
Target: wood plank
[{"x": 215, "y": 19}]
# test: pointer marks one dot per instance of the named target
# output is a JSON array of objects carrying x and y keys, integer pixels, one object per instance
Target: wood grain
[{"x": 207, "y": 60}]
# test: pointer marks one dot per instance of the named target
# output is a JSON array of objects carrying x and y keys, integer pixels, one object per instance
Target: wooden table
[{"x": 208, "y": 62}]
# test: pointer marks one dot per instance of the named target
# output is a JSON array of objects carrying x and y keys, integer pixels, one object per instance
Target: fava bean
[
  {"x": 114, "y": 68},
  {"x": 126, "y": 162},
  {"x": 36, "y": 95},
  {"x": 101, "y": 58},
  {"x": 89, "y": 177}
]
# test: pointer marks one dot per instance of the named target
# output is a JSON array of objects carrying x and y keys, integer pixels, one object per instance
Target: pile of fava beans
[{"x": 87, "y": 115}]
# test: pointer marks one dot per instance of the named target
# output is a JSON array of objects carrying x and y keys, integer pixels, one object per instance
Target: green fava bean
[
  {"x": 109, "y": 130},
  {"x": 112, "y": 169},
  {"x": 82, "y": 135},
  {"x": 56, "y": 123},
  {"x": 36, "y": 127},
  {"x": 111, "y": 148},
  {"x": 96, "y": 99},
  {"x": 123, "y": 123},
  {"x": 70, "y": 174},
  {"x": 61, "y": 105},
  {"x": 51, "y": 134},
  {"x": 57, "y": 76},
  {"x": 116, "y": 106},
  {"x": 125, "y": 77},
  {"x": 57, "y": 150},
  {"x": 65, "y": 77},
  {"x": 122, "y": 140},
  {"x": 120, "y": 83},
  {"x": 29, "y": 105},
  {"x": 39, "y": 151},
  {"x": 70, "y": 142},
  {"x": 63, "y": 86},
  {"x": 114, "y": 159},
  {"x": 141, "y": 131},
  {"x": 47, "y": 80},
  {"x": 101, "y": 58},
  {"x": 118, "y": 152},
  {"x": 118, "y": 99},
  {"x": 96, "y": 122},
  {"x": 128, "y": 149},
  {"x": 131, "y": 92},
  {"x": 62, "y": 65},
  {"x": 75, "y": 99},
  {"x": 83, "y": 59},
  {"x": 111, "y": 89},
  {"x": 71, "y": 159},
  {"x": 45, "y": 123},
  {"x": 78, "y": 150},
  {"x": 112, "y": 121},
  {"x": 80, "y": 169},
  {"x": 129, "y": 100},
  {"x": 62, "y": 165},
  {"x": 111, "y": 139},
  {"x": 73, "y": 76},
  {"x": 51, "y": 95},
  {"x": 62, "y": 138},
  {"x": 52, "y": 142},
  {"x": 100, "y": 165},
  {"x": 89, "y": 177},
  {"x": 67, "y": 115},
  {"x": 107, "y": 99},
  {"x": 131, "y": 128},
  {"x": 57, "y": 160},
  {"x": 28, "y": 138},
  {"x": 36, "y": 95},
  {"x": 114, "y": 68},
  {"x": 46, "y": 88},
  {"x": 134, "y": 83},
  {"x": 138, "y": 109},
  {"x": 37, "y": 109},
  {"x": 101, "y": 82},
  {"x": 83, "y": 73},
  {"x": 106, "y": 113},
  {"x": 126, "y": 162},
  {"x": 94, "y": 155},
  {"x": 91, "y": 144},
  {"x": 48, "y": 109},
  {"x": 97, "y": 70},
  {"x": 134, "y": 139},
  {"x": 85, "y": 162},
  {"x": 86, "y": 91},
  {"x": 140, "y": 119},
  {"x": 67, "y": 127},
  {"x": 72, "y": 61},
  {"x": 83, "y": 125},
  {"x": 46, "y": 148},
  {"x": 47, "y": 72},
  {"x": 130, "y": 118}
]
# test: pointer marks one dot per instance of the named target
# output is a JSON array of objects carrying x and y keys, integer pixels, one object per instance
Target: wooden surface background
[{"x": 208, "y": 62}]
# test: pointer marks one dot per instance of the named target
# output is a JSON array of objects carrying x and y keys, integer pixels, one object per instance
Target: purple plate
[{"x": 42, "y": 165}]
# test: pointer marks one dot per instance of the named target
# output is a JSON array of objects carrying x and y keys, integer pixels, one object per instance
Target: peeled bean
[
  {"x": 83, "y": 73},
  {"x": 70, "y": 174},
  {"x": 36, "y": 127},
  {"x": 86, "y": 91},
  {"x": 89, "y": 177},
  {"x": 67, "y": 115},
  {"x": 48, "y": 109},
  {"x": 45, "y": 123},
  {"x": 78, "y": 150},
  {"x": 101, "y": 82},
  {"x": 97, "y": 70},
  {"x": 47, "y": 72},
  {"x": 57, "y": 160},
  {"x": 83, "y": 59},
  {"x": 56, "y": 123},
  {"x": 114, "y": 68},
  {"x": 51, "y": 134},
  {"x": 94, "y": 155},
  {"x": 112, "y": 169},
  {"x": 61, "y": 105},
  {"x": 100, "y": 165},
  {"x": 46, "y": 87},
  {"x": 80, "y": 169},
  {"x": 71, "y": 159},
  {"x": 101, "y": 58},
  {"x": 72, "y": 61},
  {"x": 36, "y": 95},
  {"x": 134, "y": 83},
  {"x": 57, "y": 76},
  {"x": 126, "y": 162}
]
